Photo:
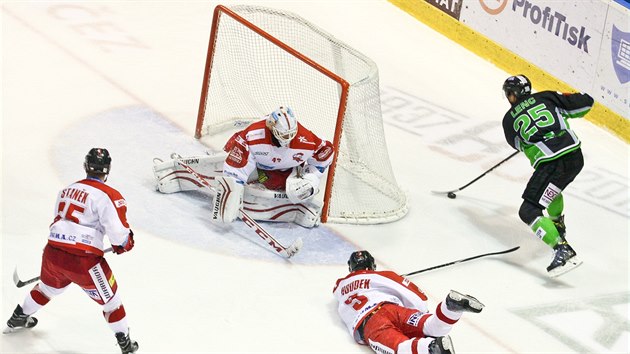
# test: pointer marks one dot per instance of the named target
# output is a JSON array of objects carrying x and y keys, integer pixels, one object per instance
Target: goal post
[{"x": 260, "y": 58}]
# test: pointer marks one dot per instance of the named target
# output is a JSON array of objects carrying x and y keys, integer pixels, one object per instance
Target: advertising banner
[
  {"x": 612, "y": 77},
  {"x": 567, "y": 39},
  {"x": 625, "y": 3},
  {"x": 450, "y": 7}
]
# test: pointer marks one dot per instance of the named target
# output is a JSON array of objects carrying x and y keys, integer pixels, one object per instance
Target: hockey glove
[
  {"x": 125, "y": 247},
  {"x": 301, "y": 189}
]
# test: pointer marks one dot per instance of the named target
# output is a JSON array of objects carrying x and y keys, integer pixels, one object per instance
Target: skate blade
[
  {"x": 571, "y": 264},
  {"x": 472, "y": 302},
  {"x": 447, "y": 344},
  {"x": 8, "y": 329}
]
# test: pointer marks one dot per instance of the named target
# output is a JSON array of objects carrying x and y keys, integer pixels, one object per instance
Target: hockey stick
[
  {"x": 461, "y": 260},
  {"x": 19, "y": 283},
  {"x": 286, "y": 252},
  {"x": 451, "y": 194}
]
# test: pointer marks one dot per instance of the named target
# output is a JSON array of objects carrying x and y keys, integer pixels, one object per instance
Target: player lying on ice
[
  {"x": 271, "y": 169},
  {"x": 391, "y": 314}
]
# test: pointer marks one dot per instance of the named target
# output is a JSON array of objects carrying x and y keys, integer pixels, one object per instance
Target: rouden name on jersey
[{"x": 362, "y": 291}]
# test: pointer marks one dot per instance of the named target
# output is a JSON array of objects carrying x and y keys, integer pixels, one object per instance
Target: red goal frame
[{"x": 221, "y": 10}]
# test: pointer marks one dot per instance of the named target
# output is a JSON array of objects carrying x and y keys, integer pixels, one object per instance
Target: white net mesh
[{"x": 252, "y": 75}]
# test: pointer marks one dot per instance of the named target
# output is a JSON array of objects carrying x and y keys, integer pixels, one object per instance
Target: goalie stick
[
  {"x": 451, "y": 193},
  {"x": 461, "y": 260},
  {"x": 286, "y": 252},
  {"x": 20, "y": 283}
]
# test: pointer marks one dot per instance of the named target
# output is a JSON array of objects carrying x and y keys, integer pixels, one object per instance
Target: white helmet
[{"x": 283, "y": 125}]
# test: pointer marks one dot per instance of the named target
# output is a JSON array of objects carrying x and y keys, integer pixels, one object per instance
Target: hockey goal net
[{"x": 260, "y": 58}]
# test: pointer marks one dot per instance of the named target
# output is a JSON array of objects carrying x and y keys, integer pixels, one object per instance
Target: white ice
[{"x": 127, "y": 76}]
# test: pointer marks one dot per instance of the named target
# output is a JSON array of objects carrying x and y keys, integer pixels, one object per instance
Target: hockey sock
[
  {"x": 545, "y": 230},
  {"x": 34, "y": 301},
  {"x": 439, "y": 323},
  {"x": 446, "y": 315},
  {"x": 556, "y": 207},
  {"x": 117, "y": 320},
  {"x": 414, "y": 345}
]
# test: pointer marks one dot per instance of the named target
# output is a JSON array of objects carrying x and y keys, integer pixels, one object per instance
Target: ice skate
[
  {"x": 463, "y": 303},
  {"x": 19, "y": 321},
  {"x": 127, "y": 346},
  {"x": 441, "y": 345},
  {"x": 564, "y": 260}
]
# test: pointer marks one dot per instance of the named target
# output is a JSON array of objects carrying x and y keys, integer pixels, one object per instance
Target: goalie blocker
[{"x": 294, "y": 205}]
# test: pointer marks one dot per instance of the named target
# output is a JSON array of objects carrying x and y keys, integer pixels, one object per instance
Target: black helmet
[
  {"x": 519, "y": 85},
  {"x": 97, "y": 161},
  {"x": 361, "y": 260}
]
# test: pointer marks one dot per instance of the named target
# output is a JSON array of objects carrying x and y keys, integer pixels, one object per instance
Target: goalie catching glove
[
  {"x": 227, "y": 200},
  {"x": 300, "y": 189}
]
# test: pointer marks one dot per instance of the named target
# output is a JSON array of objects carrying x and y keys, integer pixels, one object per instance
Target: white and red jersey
[
  {"x": 253, "y": 148},
  {"x": 85, "y": 212},
  {"x": 360, "y": 293}
]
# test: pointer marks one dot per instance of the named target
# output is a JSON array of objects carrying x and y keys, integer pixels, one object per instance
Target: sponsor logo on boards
[
  {"x": 548, "y": 18},
  {"x": 620, "y": 54},
  {"x": 452, "y": 8}
]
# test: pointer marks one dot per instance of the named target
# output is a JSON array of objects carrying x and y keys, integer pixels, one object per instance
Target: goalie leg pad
[
  {"x": 267, "y": 205},
  {"x": 171, "y": 177},
  {"x": 227, "y": 199},
  {"x": 311, "y": 215}
]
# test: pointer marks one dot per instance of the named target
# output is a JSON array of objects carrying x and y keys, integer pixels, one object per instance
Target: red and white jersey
[
  {"x": 253, "y": 148},
  {"x": 360, "y": 292},
  {"x": 85, "y": 212}
]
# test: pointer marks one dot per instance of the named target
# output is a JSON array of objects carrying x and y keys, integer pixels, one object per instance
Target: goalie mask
[
  {"x": 361, "y": 260},
  {"x": 283, "y": 125},
  {"x": 97, "y": 161},
  {"x": 518, "y": 85}
]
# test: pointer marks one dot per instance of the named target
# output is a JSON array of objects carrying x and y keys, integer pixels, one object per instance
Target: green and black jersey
[{"x": 537, "y": 124}]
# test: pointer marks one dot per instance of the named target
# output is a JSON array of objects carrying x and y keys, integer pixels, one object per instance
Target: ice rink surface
[{"x": 127, "y": 76}]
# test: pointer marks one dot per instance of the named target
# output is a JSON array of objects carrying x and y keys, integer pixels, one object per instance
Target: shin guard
[{"x": 545, "y": 230}]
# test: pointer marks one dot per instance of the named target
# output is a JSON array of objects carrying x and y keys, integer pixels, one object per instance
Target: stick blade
[
  {"x": 18, "y": 282},
  {"x": 294, "y": 248},
  {"x": 16, "y": 279},
  {"x": 445, "y": 192}
]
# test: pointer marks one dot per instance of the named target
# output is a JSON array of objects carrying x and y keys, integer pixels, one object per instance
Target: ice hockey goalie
[{"x": 272, "y": 169}]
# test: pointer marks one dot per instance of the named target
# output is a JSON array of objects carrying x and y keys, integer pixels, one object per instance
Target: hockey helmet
[
  {"x": 361, "y": 260},
  {"x": 518, "y": 85},
  {"x": 283, "y": 125},
  {"x": 97, "y": 160}
]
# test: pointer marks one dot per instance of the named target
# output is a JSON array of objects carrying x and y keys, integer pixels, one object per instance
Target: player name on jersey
[
  {"x": 355, "y": 285},
  {"x": 79, "y": 195}
]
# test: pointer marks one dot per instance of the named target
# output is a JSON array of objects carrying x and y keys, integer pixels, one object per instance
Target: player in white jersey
[
  {"x": 272, "y": 169},
  {"x": 85, "y": 212},
  {"x": 389, "y": 313}
]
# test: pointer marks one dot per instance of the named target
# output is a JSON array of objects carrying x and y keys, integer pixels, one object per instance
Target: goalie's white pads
[
  {"x": 166, "y": 177},
  {"x": 301, "y": 189},
  {"x": 227, "y": 200},
  {"x": 171, "y": 177},
  {"x": 268, "y": 205}
]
